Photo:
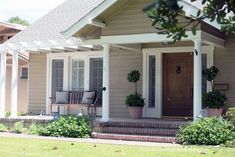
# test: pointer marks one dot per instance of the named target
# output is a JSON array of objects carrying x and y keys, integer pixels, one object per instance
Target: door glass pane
[
  {"x": 204, "y": 66},
  {"x": 152, "y": 80},
  {"x": 96, "y": 76},
  {"x": 57, "y": 81},
  {"x": 77, "y": 75}
]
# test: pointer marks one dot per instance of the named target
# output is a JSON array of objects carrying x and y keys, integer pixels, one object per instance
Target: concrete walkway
[{"x": 88, "y": 140}]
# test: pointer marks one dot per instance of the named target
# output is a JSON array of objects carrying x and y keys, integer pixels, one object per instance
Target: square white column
[
  {"x": 105, "y": 100},
  {"x": 14, "y": 84},
  {"x": 3, "y": 84},
  {"x": 197, "y": 97}
]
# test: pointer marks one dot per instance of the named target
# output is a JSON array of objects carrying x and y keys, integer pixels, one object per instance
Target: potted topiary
[
  {"x": 213, "y": 100},
  {"x": 135, "y": 101}
]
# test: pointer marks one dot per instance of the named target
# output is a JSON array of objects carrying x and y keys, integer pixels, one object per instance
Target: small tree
[
  {"x": 213, "y": 99},
  {"x": 134, "y": 76},
  {"x": 18, "y": 20},
  {"x": 134, "y": 99}
]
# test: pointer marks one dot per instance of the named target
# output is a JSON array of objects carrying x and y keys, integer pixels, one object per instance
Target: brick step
[
  {"x": 163, "y": 125},
  {"x": 161, "y": 139},
  {"x": 140, "y": 131}
]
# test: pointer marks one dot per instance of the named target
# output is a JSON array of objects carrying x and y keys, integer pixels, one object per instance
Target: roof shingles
[{"x": 51, "y": 26}]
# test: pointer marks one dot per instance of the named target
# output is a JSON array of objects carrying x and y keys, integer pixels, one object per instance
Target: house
[
  {"x": 7, "y": 31},
  {"x": 84, "y": 45}
]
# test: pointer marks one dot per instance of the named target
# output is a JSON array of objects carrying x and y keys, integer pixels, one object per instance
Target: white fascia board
[
  {"x": 90, "y": 16},
  {"x": 139, "y": 38},
  {"x": 192, "y": 11},
  {"x": 96, "y": 23}
]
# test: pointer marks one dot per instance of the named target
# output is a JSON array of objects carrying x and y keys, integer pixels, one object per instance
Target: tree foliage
[
  {"x": 165, "y": 16},
  {"x": 18, "y": 20}
]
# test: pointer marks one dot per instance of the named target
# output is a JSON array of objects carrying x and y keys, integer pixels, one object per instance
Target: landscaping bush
[
  {"x": 207, "y": 131},
  {"x": 230, "y": 115},
  {"x": 18, "y": 128},
  {"x": 3, "y": 128},
  {"x": 68, "y": 126},
  {"x": 33, "y": 129}
]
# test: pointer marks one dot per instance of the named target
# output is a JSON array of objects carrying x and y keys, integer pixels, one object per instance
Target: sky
[{"x": 30, "y": 10}]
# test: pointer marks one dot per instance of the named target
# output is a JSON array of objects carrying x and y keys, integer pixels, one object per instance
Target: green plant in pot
[
  {"x": 213, "y": 100},
  {"x": 135, "y": 101}
]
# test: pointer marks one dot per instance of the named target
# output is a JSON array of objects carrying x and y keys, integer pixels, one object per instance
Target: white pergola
[{"x": 106, "y": 42}]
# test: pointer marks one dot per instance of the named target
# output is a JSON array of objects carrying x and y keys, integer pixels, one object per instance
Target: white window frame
[
  {"x": 158, "y": 52},
  {"x": 67, "y": 57}
]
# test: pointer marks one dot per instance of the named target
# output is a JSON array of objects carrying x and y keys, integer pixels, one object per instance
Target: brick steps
[
  {"x": 140, "y": 131},
  {"x": 161, "y": 139},
  {"x": 146, "y": 130},
  {"x": 161, "y": 124}
]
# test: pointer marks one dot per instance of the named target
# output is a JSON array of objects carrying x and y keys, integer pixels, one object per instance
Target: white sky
[{"x": 30, "y": 10}]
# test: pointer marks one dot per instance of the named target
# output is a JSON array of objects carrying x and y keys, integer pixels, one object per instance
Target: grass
[{"x": 12, "y": 147}]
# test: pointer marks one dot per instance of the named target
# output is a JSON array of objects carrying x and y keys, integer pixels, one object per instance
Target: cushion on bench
[
  {"x": 62, "y": 98},
  {"x": 88, "y": 98}
]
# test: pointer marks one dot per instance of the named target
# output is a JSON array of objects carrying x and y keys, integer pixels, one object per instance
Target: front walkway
[{"x": 88, "y": 140}]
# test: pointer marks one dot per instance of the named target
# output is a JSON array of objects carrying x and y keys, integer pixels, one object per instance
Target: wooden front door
[{"x": 178, "y": 84}]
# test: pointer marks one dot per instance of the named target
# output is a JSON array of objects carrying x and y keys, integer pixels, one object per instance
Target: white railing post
[
  {"x": 105, "y": 101},
  {"x": 3, "y": 85},
  {"x": 197, "y": 98},
  {"x": 14, "y": 84}
]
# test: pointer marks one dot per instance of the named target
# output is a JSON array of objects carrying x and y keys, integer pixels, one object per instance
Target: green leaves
[
  {"x": 207, "y": 131},
  {"x": 165, "y": 13}
]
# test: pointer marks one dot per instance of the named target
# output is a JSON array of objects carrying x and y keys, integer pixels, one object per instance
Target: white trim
[
  {"x": 96, "y": 23},
  {"x": 90, "y": 16},
  {"x": 3, "y": 77},
  {"x": 158, "y": 52},
  {"x": 67, "y": 57}
]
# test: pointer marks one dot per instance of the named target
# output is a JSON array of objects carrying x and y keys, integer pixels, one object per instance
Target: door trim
[{"x": 158, "y": 52}]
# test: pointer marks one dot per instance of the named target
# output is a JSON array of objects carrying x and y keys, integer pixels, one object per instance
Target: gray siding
[
  {"x": 37, "y": 83},
  {"x": 225, "y": 60},
  {"x": 121, "y": 63}
]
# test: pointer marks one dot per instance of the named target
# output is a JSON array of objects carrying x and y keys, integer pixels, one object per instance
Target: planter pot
[
  {"x": 214, "y": 112},
  {"x": 135, "y": 112}
]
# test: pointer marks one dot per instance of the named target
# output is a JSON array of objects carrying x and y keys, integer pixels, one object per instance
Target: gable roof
[
  {"x": 51, "y": 26},
  {"x": 4, "y": 25}
]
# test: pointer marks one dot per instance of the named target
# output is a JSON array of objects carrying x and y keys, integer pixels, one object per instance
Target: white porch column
[
  {"x": 3, "y": 84},
  {"x": 197, "y": 98},
  {"x": 105, "y": 103},
  {"x": 14, "y": 84}
]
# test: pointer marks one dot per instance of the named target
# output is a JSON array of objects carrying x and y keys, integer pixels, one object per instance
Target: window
[
  {"x": 57, "y": 80},
  {"x": 152, "y": 80},
  {"x": 77, "y": 75},
  {"x": 96, "y": 76},
  {"x": 204, "y": 66},
  {"x": 24, "y": 73}
]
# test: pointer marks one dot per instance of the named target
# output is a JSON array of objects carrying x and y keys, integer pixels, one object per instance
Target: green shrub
[
  {"x": 3, "y": 128},
  {"x": 230, "y": 144},
  {"x": 33, "y": 129},
  {"x": 18, "y": 127},
  {"x": 214, "y": 99},
  {"x": 68, "y": 126},
  {"x": 230, "y": 115},
  {"x": 135, "y": 100},
  {"x": 207, "y": 131}
]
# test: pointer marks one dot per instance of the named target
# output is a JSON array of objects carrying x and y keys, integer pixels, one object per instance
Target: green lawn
[{"x": 17, "y": 147}]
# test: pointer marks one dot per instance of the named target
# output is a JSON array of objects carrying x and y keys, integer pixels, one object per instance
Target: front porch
[{"x": 113, "y": 77}]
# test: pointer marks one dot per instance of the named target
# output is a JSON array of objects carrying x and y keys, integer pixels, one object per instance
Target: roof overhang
[
  {"x": 190, "y": 11},
  {"x": 73, "y": 44},
  {"x": 89, "y": 18},
  {"x": 5, "y": 25}
]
